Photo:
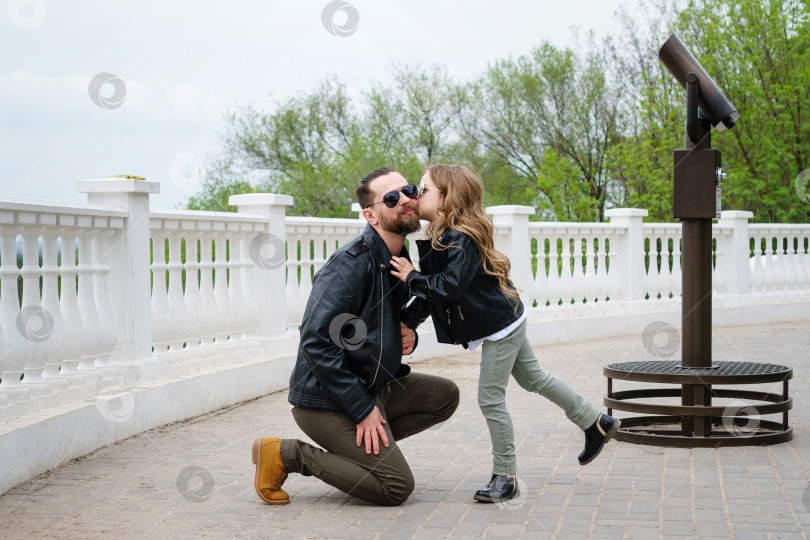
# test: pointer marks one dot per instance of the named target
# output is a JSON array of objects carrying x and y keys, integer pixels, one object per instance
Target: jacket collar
[{"x": 372, "y": 239}]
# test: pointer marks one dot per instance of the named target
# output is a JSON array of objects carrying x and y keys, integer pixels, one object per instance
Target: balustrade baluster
[
  {"x": 755, "y": 260},
  {"x": 223, "y": 302},
  {"x": 578, "y": 292},
  {"x": 566, "y": 279},
  {"x": 237, "y": 299},
  {"x": 55, "y": 352},
  {"x": 768, "y": 263},
  {"x": 800, "y": 264},
  {"x": 180, "y": 322},
  {"x": 33, "y": 322},
  {"x": 306, "y": 271},
  {"x": 193, "y": 299},
  {"x": 16, "y": 346},
  {"x": 74, "y": 326},
  {"x": 554, "y": 281},
  {"x": 541, "y": 286},
  {"x": 662, "y": 266},
  {"x": 720, "y": 269},
  {"x": 318, "y": 259},
  {"x": 788, "y": 256},
  {"x": 677, "y": 272},
  {"x": 589, "y": 277},
  {"x": 209, "y": 304},
  {"x": 613, "y": 269},
  {"x": 161, "y": 310},
  {"x": 87, "y": 308},
  {"x": 108, "y": 320},
  {"x": 602, "y": 281},
  {"x": 295, "y": 302},
  {"x": 652, "y": 277},
  {"x": 778, "y": 259},
  {"x": 253, "y": 311}
]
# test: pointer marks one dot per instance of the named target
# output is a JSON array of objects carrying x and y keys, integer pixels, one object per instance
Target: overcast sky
[{"x": 97, "y": 88}]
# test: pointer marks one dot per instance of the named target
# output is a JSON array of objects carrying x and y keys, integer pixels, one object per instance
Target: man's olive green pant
[{"x": 409, "y": 405}]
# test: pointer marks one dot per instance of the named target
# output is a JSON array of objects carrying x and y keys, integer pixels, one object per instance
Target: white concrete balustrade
[
  {"x": 58, "y": 329},
  {"x": 202, "y": 306},
  {"x": 118, "y": 318}
]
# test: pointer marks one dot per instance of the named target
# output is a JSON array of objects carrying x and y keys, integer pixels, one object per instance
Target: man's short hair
[{"x": 364, "y": 195}]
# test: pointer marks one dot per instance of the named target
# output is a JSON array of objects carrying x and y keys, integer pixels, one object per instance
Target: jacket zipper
[{"x": 382, "y": 308}]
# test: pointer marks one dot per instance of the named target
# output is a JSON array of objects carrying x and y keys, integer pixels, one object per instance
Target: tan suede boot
[{"x": 270, "y": 473}]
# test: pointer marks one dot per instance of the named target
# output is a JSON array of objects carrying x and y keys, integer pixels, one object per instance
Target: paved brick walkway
[{"x": 195, "y": 478}]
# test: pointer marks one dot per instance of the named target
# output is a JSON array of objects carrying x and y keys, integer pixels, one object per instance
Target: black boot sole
[{"x": 488, "y": 499}]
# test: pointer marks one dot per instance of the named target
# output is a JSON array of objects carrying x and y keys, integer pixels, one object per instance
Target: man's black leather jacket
[
  {"x": 464, "y": 301},
  {"x": 351, "y": 342}
]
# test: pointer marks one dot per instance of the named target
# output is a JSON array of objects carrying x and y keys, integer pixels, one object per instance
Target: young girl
[{"x": 464, "y": 285}]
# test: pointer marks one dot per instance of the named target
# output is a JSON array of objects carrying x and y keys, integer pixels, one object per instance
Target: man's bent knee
[
  {"x": 453, "y": 399},
  {"x": 397, "y": 492}
]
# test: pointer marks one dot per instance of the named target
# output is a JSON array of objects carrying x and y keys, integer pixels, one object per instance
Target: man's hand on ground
[
  {"x": 408, "y": 339},
  {"x": 371, "y": 429}
]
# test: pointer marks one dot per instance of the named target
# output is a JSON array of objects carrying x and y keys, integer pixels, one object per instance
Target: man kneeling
[{"x": 350, "y": 391}]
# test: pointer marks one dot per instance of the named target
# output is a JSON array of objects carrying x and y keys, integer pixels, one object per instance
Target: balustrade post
[
  {"x": 517, "y": 247},
  {"x": 267, "y": 251},
  {"x": 627, "y": 257},
  {"x": 735, "y": 248},
  {"x": 129, "y": 278}
]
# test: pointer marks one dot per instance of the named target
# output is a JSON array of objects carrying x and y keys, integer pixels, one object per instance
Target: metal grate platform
[
  {"x": 671, "y": 371},
  {"x": 737, "y": 424}
]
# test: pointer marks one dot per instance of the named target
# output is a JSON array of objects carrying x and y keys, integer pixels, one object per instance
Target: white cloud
[{"x": 158, "y": 101}]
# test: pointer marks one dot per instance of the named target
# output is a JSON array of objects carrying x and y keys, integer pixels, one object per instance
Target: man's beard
[{"x": 401, "y": 225}]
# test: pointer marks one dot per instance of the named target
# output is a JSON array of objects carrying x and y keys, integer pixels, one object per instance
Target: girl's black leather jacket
[{"x": 464, "y": 301}]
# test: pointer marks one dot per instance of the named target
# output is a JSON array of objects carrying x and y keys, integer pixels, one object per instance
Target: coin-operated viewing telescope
[
  {"x": 696, "y": 201},
  {"x": 697, "y": 168}
]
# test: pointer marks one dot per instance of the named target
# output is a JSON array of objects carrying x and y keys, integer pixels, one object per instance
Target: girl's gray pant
[{"x": 513, "y": 356}]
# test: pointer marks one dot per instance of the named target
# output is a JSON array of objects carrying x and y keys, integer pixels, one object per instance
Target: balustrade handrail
[
  {"x": 554, "y": 225},
  {"x": 53, "y": 207},
  {"x": 784, "y": 227},
  {"x": 202, "y": 215}
]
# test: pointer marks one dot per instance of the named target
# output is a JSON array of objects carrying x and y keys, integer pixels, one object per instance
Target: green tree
[
  {"x": 758, "y": 52},
  {"x": 549, "y": 99},
  {"x": 640, "y": 161}
]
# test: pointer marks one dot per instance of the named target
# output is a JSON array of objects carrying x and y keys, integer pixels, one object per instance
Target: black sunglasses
[{"x": 392, "y": 197}]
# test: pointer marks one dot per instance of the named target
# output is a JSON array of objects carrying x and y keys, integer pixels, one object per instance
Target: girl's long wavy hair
[{"x": 463, "y": 210}]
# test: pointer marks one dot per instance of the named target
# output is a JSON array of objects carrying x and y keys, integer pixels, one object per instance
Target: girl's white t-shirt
[{"x": 499, "y": 334}]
